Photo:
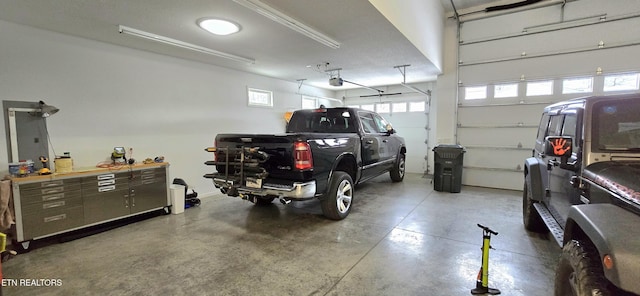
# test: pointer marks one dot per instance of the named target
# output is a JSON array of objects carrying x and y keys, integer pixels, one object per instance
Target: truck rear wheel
[
  {"x": 579, "y": 271},
  {"x": 530, "y": 216},
  {"x": 336, "y": 204},
  {"x": 397, "y": 173}
]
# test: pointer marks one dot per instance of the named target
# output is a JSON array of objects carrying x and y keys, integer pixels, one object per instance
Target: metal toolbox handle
[
  {"x": 106, "y": 176},
  {"x": 147, "y": 182},
  {"x": 55, "y": 218},
  {"x": 51, "y": 183},
  {"x": 53, "y": 204},
  {"x": 149, "y": 176},
  {"x": 52, "y": 190},
  {"x": 52, "y": 196},
  {"x": 106, "y": 188},
  {"x": 106, "y": 182}
]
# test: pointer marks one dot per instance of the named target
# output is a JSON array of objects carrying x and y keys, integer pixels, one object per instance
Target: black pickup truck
[
  {"x": 323, "y": 154},
  {"x": 582, "y": 184}
]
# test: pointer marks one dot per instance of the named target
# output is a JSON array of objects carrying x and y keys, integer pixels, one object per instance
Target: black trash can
[{"x": 447, "y": 176}]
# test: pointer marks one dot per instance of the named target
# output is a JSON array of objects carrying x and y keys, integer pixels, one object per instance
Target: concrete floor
[{"x": 400, "y": 239}]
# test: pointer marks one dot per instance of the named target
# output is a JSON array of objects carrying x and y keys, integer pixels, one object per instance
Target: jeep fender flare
[
  {"x": 614, "y": 232},
  {"x": 532, "y": 168}
]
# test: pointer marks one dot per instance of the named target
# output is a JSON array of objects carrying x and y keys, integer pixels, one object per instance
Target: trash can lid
[{"x": 450, "y": 147}]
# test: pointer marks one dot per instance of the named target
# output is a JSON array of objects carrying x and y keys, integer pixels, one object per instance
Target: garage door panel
[
  {"x": 561, "y": 42},
  {"x": 492, "y": 27},
  {"x": 493, "y": 179},
  {"x": 503, "y": 137},
  {"x": 508, "y": 159},
  {"x": 554, "y": 41},
  {"x": 501, "y": 115},
  {"x": 560, "y": 65}
]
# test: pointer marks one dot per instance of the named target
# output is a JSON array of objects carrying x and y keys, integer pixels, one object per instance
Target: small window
[
  {"x": 577, "y": 85},
  {"x": 399, "y": 107},
  {"x": 370, "y": 107},
  {"x": 416, "y": 106},
  {"x": 475, "y": 93},
  {"x": 258, "y": 97},
  {"x": 505, "y": 90},
  {"x": 309, "y": 103},
  {"x": 621, "y": 82},
  {"x": 539, "y": 88},
  {"x": 383, "y": 108}
]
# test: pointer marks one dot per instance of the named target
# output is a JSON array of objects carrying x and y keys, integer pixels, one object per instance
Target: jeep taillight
[{"x": 302, "y": 156}]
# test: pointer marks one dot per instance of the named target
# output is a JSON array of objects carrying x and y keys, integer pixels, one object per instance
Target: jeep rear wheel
[
  {"x": 530, "y": 216},
  {"x": 579, "y": 271},
  {"x": 397, "y": 173},
  {"x": 336, "y": 204}
]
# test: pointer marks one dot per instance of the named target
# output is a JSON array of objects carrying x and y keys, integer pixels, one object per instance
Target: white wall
[{"x": 115, "y": 96}]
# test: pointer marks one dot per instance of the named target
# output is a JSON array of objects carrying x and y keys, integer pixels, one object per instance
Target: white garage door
[
  {"x": 408, "y": 112},
  {"x": 514, "y": 64}
]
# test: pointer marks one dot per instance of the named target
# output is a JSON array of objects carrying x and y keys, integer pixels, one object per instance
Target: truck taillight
[{"x": 302, "y": 156}]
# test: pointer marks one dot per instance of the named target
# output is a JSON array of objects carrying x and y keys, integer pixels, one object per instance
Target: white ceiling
[{"x": 370, "y": 45}]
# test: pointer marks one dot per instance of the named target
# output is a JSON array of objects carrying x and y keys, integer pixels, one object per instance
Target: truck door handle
[
  {"x": 369, "y": 141},
  {"x": 384, "y": 141}
]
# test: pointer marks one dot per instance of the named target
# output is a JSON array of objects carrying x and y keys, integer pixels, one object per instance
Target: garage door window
[
  {"x": 539, "y": 88},
  {"x": 621, "y": 82},
  {"x": 505, "y": 90},
  {"x": 577, "y": 85},
  {"x": 475, "y": 92},
  {"x": 416, "y": 107},
  {"x": 383, "y": 108},
  {"x": 399, "y": 107}
]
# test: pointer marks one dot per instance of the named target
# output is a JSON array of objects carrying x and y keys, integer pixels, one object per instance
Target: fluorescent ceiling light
[
  {"x": 218, "y": 26},
  {"x": 181, "y": 44},
  {"x": 288, "y": 21}
]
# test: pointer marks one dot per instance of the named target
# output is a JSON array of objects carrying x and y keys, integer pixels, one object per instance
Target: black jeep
[{"x": 582, "y": 183}]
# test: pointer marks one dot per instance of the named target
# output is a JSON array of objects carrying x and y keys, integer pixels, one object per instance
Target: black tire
[
  {"x": 336, "y": 204},
  {"x": 530, "y": 216},
  {"x": 397, "y": 173},
  {"x": 264, "y": 201},
  {"x": 579, "y": 272}
]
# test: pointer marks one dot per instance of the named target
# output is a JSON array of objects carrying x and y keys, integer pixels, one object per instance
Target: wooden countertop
[{"x": 86, "y": 171}]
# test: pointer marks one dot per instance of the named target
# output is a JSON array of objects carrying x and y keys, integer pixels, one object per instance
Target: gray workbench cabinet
[{"x": 47, "y": 206}]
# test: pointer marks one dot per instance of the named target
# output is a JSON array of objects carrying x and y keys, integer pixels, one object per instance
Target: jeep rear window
[
  {"x": 616, "y": 125},
  {"x": 337, "y": 120}
]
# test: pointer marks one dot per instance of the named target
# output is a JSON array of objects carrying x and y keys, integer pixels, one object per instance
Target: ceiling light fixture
[
  {"x": 218, "y": 26},
  {"x": 279, "y": 17},
  {"x": 181, "y": 44}
]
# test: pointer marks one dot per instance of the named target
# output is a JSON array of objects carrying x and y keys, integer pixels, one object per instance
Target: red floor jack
[{"x": 482, "y": 283}]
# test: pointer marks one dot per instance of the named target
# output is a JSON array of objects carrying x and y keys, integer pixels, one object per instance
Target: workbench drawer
[
  {"x": 49, "y": 184},
  {"x": 51, "y": 205},
  {"x": 51, "y": 194},
  {"x": 55, "y": 220}
]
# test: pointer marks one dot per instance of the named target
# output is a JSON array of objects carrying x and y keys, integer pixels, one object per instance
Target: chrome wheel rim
[
  {"x": 401, "y": 167},
  {"x": 344, "y": 196}
]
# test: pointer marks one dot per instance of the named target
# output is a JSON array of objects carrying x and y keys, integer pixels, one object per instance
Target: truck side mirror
[
  {"x": 558, "y": 146},
  {"x": 390, "y": 129}
]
